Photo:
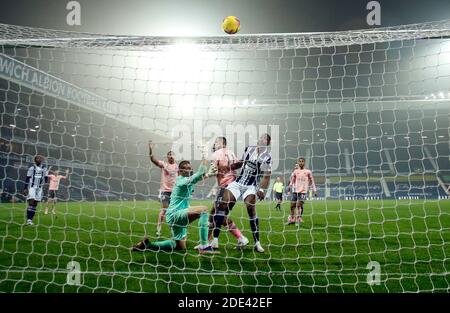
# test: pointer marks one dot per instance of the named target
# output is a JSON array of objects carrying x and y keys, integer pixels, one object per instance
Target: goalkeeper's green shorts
[{"x": 178, "y": 221}]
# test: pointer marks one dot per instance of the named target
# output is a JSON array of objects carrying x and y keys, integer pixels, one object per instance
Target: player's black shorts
[
  {"x": 298, "y": 196},
  {"x": 51, "y": 194},
  {"x": 165, "y": 196},
  {"x": 279, "y": 196}
]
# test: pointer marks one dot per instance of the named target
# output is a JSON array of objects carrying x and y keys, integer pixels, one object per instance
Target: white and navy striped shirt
[
  {"x": 255, "y": 163},
  {"x": 36, "y": 175}
]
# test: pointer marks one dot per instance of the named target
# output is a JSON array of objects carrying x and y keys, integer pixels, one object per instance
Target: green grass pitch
[{"x": 329, "y": 252}]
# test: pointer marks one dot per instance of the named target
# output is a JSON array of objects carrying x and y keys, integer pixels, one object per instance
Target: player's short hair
[
  {"x": 37, "y": 156},
  {"x": 224, "y": 140},
  {"x": 170, "y": 151},
  {"x": 269, "y": 139},
  {"x": 301, "y": 158},
  {"x": 182, "y": 164}
]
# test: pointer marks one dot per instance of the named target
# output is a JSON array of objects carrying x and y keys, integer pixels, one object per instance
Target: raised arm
[
  {"x": 154, "y": 160},
  {"x": 197, "y": 176},
  {"x": 66, "y": 175},
  {"x": 203, "y": 171}
]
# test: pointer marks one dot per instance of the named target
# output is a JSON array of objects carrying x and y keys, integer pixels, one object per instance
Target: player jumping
[
  {"x": 179, "y": 214},
  {"x": 301, "y": 178},
  {"x": 256, "y": 163},
  {"x": 37, "y": 175},
  {"x": 169, "y": 172},
  {"x": 54, "y": 180},
  {"x": 224, "y": 160}
]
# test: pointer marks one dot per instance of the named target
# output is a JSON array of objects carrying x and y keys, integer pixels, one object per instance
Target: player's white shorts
[
  {"x": 241, "y": 190},
  {"x": 35, "y": 193}
]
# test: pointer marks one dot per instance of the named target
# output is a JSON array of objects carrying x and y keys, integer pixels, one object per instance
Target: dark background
[
  {"x": 119, "y": 151},
  {"x": 200, "y": 17}
]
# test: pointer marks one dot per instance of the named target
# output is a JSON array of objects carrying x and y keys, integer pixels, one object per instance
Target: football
[{"x": 231, "y": 24}]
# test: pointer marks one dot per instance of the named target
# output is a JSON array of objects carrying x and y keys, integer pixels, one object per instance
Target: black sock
[
  {"x": 31, "y": 210},
  {"x": 218, "y": 221},
  {"x": 254, "y": 225}
]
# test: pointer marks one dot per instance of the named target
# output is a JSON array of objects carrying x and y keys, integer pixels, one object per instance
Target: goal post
[{"x": 369, "y": 110}]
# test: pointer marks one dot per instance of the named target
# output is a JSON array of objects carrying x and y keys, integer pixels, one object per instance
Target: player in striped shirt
[
  {"x": 252, "y": 182},
  {"x": 37, "y": 175},
  {"x": 169, "y": 173},
  {"x": 53, "y": 187},
  {"x": 301, "y": 179}
]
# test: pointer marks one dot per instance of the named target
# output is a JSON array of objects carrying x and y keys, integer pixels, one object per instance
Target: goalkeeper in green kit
[{"x": 179, "y": 214}]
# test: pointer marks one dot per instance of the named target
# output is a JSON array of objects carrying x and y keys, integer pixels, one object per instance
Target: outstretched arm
[
  {"x": 154, "y": 160},
  {"x": 66, "y": 175},
  {"x": 203, "y": 171}
]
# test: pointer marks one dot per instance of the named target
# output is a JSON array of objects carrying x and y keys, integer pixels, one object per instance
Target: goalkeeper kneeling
[{"x": 179, "y": 214}]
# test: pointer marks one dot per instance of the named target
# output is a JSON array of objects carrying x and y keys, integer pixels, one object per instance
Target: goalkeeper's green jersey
[{"x": 182, "y": 191}]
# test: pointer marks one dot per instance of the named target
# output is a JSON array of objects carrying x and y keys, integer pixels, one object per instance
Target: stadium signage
[
  {"x": 20, "y": 160},
  {"x": 35, "y": 79}
]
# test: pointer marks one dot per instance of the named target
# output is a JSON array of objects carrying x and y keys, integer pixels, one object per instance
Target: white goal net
[{"x": 369, "y": 110}]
